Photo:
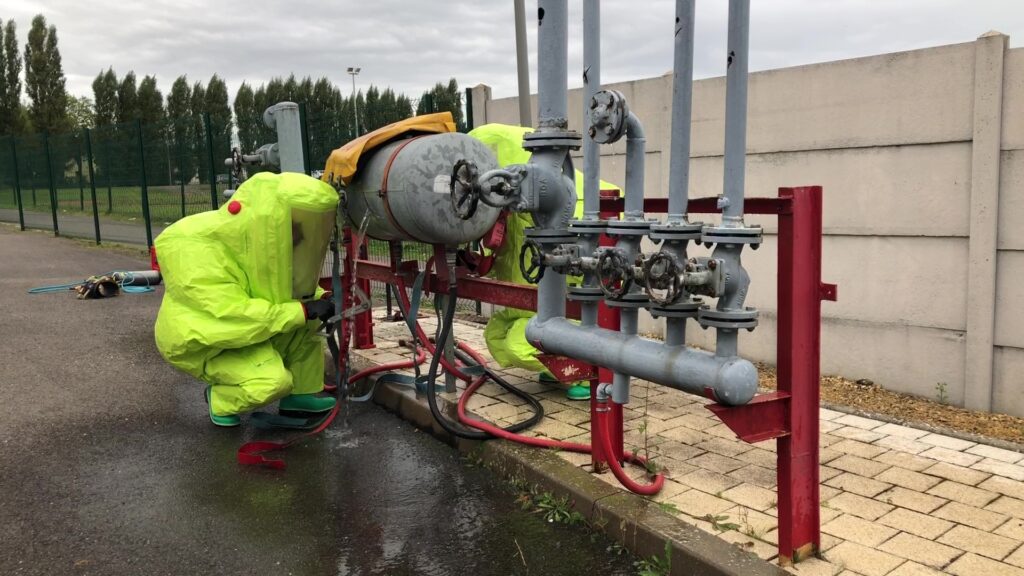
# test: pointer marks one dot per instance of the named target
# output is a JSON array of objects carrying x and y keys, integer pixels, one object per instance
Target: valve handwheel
[
  {"x": 532, "y": 269},
  {"x": 463, "y": 189},
  {"x": 614, "y": 274},
  {"x": 661, "y": 272}
]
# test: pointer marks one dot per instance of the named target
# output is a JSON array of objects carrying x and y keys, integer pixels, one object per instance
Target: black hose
[{"x": 444, "y": 329}]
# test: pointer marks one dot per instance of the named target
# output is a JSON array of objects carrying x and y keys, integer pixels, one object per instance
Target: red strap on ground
[{"x": 252, "y": 453}]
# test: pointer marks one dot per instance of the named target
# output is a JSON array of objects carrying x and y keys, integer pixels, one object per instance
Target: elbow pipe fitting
[{"x": 728, "y": 380}]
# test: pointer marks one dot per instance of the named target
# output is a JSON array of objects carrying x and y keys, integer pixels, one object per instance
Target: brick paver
[{"x": 896, "y": 500}]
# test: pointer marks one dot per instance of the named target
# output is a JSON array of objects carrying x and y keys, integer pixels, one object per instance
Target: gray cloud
[{"x": 409, "y": 45}]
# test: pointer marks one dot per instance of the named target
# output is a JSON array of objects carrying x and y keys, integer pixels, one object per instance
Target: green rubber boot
[
  {"x": 578, "y": 392},
  {"x": 305, "y": 404},
  {"x": 229, "y": 421}
]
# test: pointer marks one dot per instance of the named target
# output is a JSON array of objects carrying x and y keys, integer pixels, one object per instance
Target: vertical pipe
[
  {"x": 49, "y": 177},
  {"x": 552, "y": 80},
  {"x": 682, "y": 111},
  {"x": 304, "y": 135},
  {"x": 523, "y": 65},
  {"x": 145, "y": 187},
  {"x": 92, "y": 183},
  {"x": 17, "y": 184},
  {"x": 628, "y": 322},
  {"x": 591, "y": 85},
  {"x": 288, "y": 125},
  {"x": 209, "y": 156},
  {"x": 636, "y": 149},
  {"x": 736, "y": 113}
]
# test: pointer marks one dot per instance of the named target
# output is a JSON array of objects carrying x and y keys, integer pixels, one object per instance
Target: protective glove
[{"x": 319, "y": 309}]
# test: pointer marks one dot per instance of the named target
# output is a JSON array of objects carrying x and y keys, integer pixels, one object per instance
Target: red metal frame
[{"x": 788, "y": 415}]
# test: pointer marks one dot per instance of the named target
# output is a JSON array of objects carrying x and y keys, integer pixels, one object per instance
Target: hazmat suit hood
[{"x": 234, "y": 276}]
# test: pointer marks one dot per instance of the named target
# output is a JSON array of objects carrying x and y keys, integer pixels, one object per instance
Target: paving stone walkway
[{"x": 896, "y": 501}]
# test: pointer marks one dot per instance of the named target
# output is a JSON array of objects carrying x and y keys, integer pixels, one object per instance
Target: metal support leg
[
  {"x": 799, "y": 348},
  {"x": 363, "y": 321}
]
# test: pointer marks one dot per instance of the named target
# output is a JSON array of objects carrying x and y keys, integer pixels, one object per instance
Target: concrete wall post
[
  {"x": 481, "y": 96},
  {"x": 990, "y": 50}
]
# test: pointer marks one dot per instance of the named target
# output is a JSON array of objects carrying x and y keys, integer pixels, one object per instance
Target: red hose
[{"x": 606, "y": 446}]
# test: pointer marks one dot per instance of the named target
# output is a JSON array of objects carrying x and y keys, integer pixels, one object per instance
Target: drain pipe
[
  {"x": 678, "y": 231},
  {"x": 729, "y": 238},
  {"x": 590, "y": 228}
]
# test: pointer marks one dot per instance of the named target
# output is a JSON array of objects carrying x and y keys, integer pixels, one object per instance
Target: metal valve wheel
[
  {"x": 614, "y": 273},
  {"x": 532, "y": 269},
  {"x": 661, "y": 272},
  {"x": 462, "y": 189}
]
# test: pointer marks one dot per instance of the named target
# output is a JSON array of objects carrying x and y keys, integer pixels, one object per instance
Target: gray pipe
[
  {"x": 636, "y": 147},
  {"x": 736, "y": 112},
  {"x": 591, "y": 85},
  {"x": 552, "y": 69},
  {"x": 523, "y": 65},
  {"x": 733, "y": 380},
  {"x": 682, "y": 107},
  {"x": 284, "y": 118}
]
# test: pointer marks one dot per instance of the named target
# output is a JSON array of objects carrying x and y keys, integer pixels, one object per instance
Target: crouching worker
[{"x": 242, "y": 305}]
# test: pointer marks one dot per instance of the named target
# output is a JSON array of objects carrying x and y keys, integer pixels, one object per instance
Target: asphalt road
[{"x": 109, "y": 465}]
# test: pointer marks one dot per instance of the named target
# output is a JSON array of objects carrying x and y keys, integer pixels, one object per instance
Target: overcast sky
[{"x": 411, "y": 44}]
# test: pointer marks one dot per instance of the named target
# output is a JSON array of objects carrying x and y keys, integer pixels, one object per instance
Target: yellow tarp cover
[{"x": 342, "y": 163}]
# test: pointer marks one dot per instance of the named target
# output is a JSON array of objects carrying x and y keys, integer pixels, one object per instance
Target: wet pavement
[{"x": 108, "y": 464}]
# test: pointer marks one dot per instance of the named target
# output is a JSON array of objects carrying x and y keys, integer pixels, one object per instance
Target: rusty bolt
[
  {"x": 712, "y": 264},
  {"x": 592, "y": 131}
]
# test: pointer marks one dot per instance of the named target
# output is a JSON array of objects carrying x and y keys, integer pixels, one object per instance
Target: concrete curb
[{"x": 640, "y": 525}]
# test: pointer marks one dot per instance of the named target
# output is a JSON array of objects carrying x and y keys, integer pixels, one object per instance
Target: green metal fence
[{"x": 126, "y": 182}]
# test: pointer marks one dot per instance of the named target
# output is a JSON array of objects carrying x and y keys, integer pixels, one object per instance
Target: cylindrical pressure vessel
[{"x": 401, "y": 191}]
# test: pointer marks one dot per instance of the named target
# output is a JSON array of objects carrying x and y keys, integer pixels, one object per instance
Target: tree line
[{"x": 178, "y": 123}]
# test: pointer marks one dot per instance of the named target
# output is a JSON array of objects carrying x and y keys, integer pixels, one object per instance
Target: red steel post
[
  {"x": 363, "y": 321},
  {"x": 800, "y": 292}
]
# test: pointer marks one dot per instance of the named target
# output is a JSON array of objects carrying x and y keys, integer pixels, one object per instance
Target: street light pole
[{"x": 355, "y": 105}]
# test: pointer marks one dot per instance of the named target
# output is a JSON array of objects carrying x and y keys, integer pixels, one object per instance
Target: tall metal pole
[
  {"x": 736, "y": 113},
  {"x": 53, "y": 189},
  {"x": 92, "y": 183},
  {"x": 591, "y": 85},
  {"x": 523, "y": 65},
  {"x": 682, "y": 111},
  {"x": 352, "y": 71},
  {"x": 17, "y": 184},
  {"x": 145, "y": 188}
]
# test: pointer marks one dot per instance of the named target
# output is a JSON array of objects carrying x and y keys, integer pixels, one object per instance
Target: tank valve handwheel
[
  {"x": 463, "y": 189},
  {"x": 661, "y": 272},
  {"x": 614, "y": 274},
  {"x": 531, "y": 262}
]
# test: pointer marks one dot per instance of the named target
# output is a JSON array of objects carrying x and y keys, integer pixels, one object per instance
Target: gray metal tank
[{"x": 402, "y": 190}]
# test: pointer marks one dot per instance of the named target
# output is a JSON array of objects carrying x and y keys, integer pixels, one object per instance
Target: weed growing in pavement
[
  {"x": 941, "y": 392},
  {"x": 720, "y": 524},
  {"x": 656, "y": 565},
  {"x": 669, "y": 507}
]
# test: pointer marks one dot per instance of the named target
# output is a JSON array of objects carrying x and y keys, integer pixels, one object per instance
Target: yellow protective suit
[
  {"x": 231, "y": 314},
  {"x": 505, "y": 333}
]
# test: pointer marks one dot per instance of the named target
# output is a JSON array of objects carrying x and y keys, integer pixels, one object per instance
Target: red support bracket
[
  {"x": 763, "y": 418},
  {"x": 566, "y": 369},
  {"x": 829, "y": 292}
]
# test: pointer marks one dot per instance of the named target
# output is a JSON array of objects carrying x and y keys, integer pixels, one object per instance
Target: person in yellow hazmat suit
[
  {"x": 505, "y": 333},
  {"x": 242, "y": 304}
]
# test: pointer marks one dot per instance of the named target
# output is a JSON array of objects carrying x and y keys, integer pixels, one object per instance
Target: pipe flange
[
  {"x": 585, "y": 294},
  {"x": 540, "y": 139},
  {"x": 630, "y": 300},
  {"x": 680, "y": 310},
  {"x": 608, "y": 113},
  {"x": 629, "y": 227},
  {"x": 677, "y": 231},
  {"x": 582, "y": 227},
  {"x": 545, "y": 236},
  {"x": 725, "y": 235},
  {"x": 709, "y": 317}
]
